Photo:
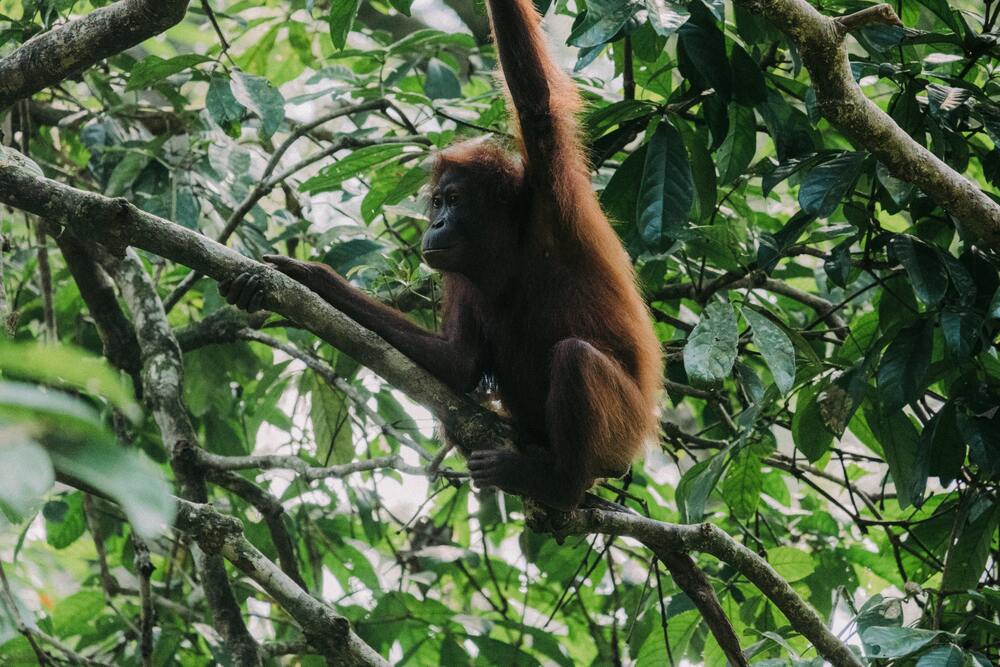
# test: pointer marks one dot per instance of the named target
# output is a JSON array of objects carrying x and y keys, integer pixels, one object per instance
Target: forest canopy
[{"x": 807, "y": 192}]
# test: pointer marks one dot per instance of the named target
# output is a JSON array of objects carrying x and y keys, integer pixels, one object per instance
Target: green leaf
[
  {"x": 25, "y": 474},
  {"x": 129, "y": 477},
  {"x": 50, "y": 410},
  {"x": 739, "y": 146},
  {"x": 341, "y": 20},
  {"x": 942, "y": 656},
  {"x": 441, "y": 82},
  {"x": 775, "y": 347},
  {"x": 66, "y": 366},
  {"x": 751, "y": 89},
  {"x": 65, "y": 529},
  {"x": 944, "y": 11},
  {"x": 702, "y": 168},
  {"x": 357, "y": 162},
  {"x": 967, "y": 557},
  {"x": 891, "y": 642},
  {"x": 222, "y": 105},
  {"x": 257, "y": 94},
  {"x": 903, "y": 370},
  {"x": 620, "y": 195},
  {"x": 826, "y": 184},
  {"x": 602, "y": 21},
  {"x": 666, "y": 17},
  {"x": 75, "y": 615},
  {"x": 153, "y": 68},
  {"x": 791, "y": 563},
  {"x": 927, "y": 273},
  {"x": 331, "y": 424},
  {"x": 899, "y": 190},
  {"x": 666, "y": 193},
  {"x": 961, "y": 333},
  {"x": 701, "y": 55},
  {"x": 809, "y": 431},
  {"x": 839, "y": 400},
  {"x": 710, "y": 351},
  {"x": 695, "y": 487},
  {"x": 743, "y": 484},
  {"x": 793, "y": 134},
  {"x": 983, "y": 437},
  {"x": 908, "y": 461},
  {"x": 838, "y": 266}
]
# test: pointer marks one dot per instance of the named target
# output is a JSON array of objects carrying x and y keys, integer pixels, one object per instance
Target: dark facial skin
[{"x": 467, "y": 233}]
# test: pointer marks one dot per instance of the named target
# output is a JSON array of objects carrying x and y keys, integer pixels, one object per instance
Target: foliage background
[{"x": 831, "y": 349}]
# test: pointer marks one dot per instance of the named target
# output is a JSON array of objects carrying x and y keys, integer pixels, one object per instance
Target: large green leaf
[
  {"x": 906, "y": 455},
  {"x": 331, "y": 424},
  {"x": 710, "y": 351},
  {"x": 25, "y": 474},
  {"x": 341, "y": 20},
  {"x": 666, "y": 194},
  {"x": 826, "y": 184},
  {"x": 775, "y": 347},
  {"x": 750, "y": 88},
  {"x": 66, "y": 366},
  {"x": 701, "y": 53},
  {"x": 602, "y": 21},
  {"x": 153, "y": 68},
  {"x": 441, "y": 82},
  {"x": 702, "y": 169},
  {"x": 739, "y": 146},
  {"x": 65, "y": 521},
  {"x": 222, "y": 105},
  {"x": 695, "y": 487},
  {"x": 257, "y": 94},
  {"x": 942, "y": 656},
  {"x": 968, "y": 555},
  {"x": 743, "y": 484},
  {"x": 903, "y": 370},
  {"x": 892, "y": 642},
  {"x": 665, "y": 16},
  {"x": 809, "y": 431},
  {"x": 961, "y": 332},
  {"x": 927, "y": 273},
  {"x": 357, "y": 162},
  {"x": 791, "y": 563}
]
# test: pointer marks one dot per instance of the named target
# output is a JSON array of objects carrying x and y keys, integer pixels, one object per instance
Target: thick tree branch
[
  {"x": 274, "y": 516},
  {"x": 162, "y": 381},
  {"x": 52, "y": 56},
  {"x": 327, "y": 631},
  {"x": 820, "y": 41}
]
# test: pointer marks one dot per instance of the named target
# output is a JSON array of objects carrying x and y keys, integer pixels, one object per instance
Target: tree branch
[
  {"x": 820, "y": 41},
  {"x": 52, "y": 56},
  {"x": 162, "y": 381}
]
